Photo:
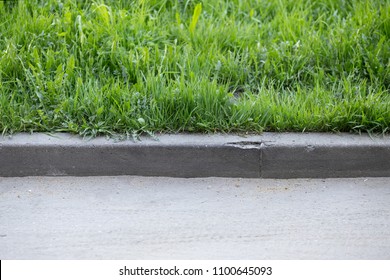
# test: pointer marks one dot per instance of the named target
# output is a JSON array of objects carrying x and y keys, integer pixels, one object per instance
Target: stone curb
[{"x": 269, "y": 155}]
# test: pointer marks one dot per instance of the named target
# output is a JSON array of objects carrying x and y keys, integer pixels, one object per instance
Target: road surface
[{"x": 128, "y": 217}]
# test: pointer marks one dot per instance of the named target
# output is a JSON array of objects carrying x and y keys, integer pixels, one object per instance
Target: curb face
[
  {"x": 326, "y": 162},
  {"x": 269, "y": 155}
]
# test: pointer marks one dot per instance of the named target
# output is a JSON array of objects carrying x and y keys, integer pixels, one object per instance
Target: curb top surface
[{"x": 268, "y": 138}]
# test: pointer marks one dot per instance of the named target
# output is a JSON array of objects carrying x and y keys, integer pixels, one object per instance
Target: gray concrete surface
[
  {"x": 129, "y": 217},
  {"x": 269, "y": 155}
]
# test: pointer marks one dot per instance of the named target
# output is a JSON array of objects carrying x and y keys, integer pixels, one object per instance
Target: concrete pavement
[{"x": 128, "y": 217}]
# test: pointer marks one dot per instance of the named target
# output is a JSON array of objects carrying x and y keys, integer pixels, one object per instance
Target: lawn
[{"x": 129, "y": 67}]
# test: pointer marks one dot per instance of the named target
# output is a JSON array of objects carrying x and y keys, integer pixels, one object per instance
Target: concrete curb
[{"x": 269, "y": 155}]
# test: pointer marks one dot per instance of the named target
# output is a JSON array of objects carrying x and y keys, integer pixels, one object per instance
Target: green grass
[{"x": 128, "y": 67}]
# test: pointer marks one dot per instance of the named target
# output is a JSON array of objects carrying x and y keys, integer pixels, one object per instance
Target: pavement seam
[{"x": 261, "y": 160}]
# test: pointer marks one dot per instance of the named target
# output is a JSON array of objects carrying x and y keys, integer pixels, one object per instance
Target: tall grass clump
[{"x": 133, "y": 66}]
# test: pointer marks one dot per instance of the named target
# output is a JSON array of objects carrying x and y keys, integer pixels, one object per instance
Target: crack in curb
[{"x": 246, "y": 144}]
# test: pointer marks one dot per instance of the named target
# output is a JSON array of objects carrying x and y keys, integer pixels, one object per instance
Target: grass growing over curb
[{"x": 122, "y": 66}]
